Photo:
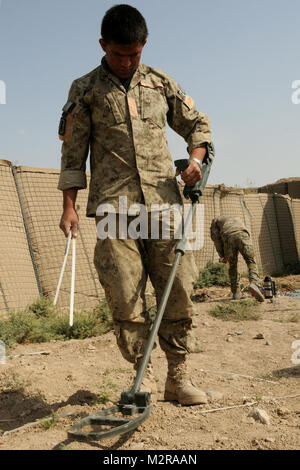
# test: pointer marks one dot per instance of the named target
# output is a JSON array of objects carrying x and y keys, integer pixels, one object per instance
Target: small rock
[
  {"x": 239, "y": 332},
  {"x": 259, "y": 336},
  {"x": 214, "y": 396},
  {"x": 246, "y": 400},
  {"x": 91, "y": 347},
  {"x": 222, "y": 440},
  {"x": 229, "y": 339},
  {"x": 137, "y": 446},
  {"x": 249, "y": 420},
  {"x": 260, "y": 415},
  {"x": 282, "y": 411},
  {"x": 268, "y": 343},
  {"x": 270, "y": 439}
]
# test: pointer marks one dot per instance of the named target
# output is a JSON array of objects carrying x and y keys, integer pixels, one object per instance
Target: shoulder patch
[
  {"x": 181, "y": 93},
  {"x": 188, "y": 101}
]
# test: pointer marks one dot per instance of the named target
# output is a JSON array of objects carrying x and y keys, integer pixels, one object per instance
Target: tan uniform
[
  {"x": 123, "y": 267},
  {"x": 231, "y": 237},
  {"x": 125, "y": 134}
]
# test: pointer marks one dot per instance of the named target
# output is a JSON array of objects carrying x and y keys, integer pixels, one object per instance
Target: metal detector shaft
[{"x": 194, "y": 194}]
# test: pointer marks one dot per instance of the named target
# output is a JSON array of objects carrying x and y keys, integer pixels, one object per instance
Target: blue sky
[{"x": 237, "y": 59}]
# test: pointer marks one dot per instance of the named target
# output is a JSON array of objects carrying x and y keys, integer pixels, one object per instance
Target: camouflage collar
[{"x": 105, "y": 73}]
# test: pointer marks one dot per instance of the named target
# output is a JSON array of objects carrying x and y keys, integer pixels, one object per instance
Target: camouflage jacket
[
  {"x": 222, "y": 227},
  {"x": 124, "y": 131}
]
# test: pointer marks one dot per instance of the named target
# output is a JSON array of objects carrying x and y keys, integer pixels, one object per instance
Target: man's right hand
[{"x": 69, "y": 219}]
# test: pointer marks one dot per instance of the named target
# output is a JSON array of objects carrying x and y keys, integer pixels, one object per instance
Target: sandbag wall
[
  {"x": 32, "y": 246},
  {"x": 18, "y": 284}
]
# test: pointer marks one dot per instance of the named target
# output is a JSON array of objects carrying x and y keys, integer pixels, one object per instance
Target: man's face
[{"x": 122, "y": 60}]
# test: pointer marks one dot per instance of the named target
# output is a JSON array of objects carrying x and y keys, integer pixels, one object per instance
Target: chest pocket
[
  {"x": 108, "y": 108},
  {"x": 154, "y": 105}
]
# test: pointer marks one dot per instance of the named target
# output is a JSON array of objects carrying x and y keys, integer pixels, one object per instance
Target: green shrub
[
  {"x": 43, "y": 322},
  {"x": 237, "y": 311},
  {"x": 42, "y": 307},
  {"x": 215, "y": 274}
]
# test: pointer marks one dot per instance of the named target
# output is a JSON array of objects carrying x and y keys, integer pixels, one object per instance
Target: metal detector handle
[{"x": 196, "y": 191}]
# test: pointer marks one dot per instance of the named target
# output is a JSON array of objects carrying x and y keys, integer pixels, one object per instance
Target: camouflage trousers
[
  {"x": 236, "y": 243},
  {"x": 124, "y": 266}
]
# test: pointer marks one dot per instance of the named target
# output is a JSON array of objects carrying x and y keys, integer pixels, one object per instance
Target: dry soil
[{"x": 239, "y": 362}]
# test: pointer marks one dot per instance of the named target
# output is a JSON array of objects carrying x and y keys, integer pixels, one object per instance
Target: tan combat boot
[
  {"x": 178, "y": 387},
  {"x": 256, "y": 292}
]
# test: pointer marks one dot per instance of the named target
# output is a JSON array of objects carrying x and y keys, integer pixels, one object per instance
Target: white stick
[
  {"x": 72, "y": 280},
  {"x": 30, "y": 354},
  {"x": 240, "y": 375},
  {"x": 34, "y": 423},
  {"x": 63, "y": 267},
  {"x": 229, "y": 407}
]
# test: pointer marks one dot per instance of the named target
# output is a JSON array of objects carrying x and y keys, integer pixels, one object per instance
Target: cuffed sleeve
[{"x": 72, "y": 179}]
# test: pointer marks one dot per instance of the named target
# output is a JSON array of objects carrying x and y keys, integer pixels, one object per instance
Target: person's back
[
  {"x": 227, "y": 225},
  {"x": 231, "y": 237}
]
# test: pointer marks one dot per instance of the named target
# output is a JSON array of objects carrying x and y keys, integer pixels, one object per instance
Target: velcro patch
[
  {"x": 67, "y": 127},
  {"x": 66, "y": 121},
  {"x": 132, "y": 107},
  {"x": 151, "y": 84}
]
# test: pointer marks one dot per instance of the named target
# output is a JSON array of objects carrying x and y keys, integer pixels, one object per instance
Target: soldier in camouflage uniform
[
  {"x": 231, "y": 237},
  {"x": 118, "y": 114}
]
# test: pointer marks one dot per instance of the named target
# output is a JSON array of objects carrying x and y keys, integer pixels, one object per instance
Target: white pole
[
  {"x": 72, "y": 280},
  {"x": 63, "y": 266}
]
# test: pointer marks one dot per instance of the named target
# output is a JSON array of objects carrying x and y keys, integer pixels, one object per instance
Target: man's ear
[{"x": 102, "y": 44}]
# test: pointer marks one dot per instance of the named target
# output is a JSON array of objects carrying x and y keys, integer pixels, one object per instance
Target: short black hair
[{"x": 124, "y": 24}]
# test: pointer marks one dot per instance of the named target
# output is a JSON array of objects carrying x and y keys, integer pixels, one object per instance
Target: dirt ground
[{"x": 239, "y": 362}]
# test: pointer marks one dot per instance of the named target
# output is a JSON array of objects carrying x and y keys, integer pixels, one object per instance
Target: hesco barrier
[
  {"x": 290, "y": 186},
  {"x": 32, "y": 245}
]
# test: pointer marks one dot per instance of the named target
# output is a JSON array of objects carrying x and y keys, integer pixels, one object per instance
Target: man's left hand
[{"x": 192, "y": 174}]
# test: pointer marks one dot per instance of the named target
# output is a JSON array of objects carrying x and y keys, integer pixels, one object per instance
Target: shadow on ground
[
  {"x": 18, "y": 408},
  {"x": 290, "y": 372}
]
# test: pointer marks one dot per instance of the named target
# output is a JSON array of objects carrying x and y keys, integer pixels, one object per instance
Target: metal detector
[{"x": 135, "y": 406}]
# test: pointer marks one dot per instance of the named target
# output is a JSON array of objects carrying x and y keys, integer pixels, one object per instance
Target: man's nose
[{"x": 125, "y": 61}]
